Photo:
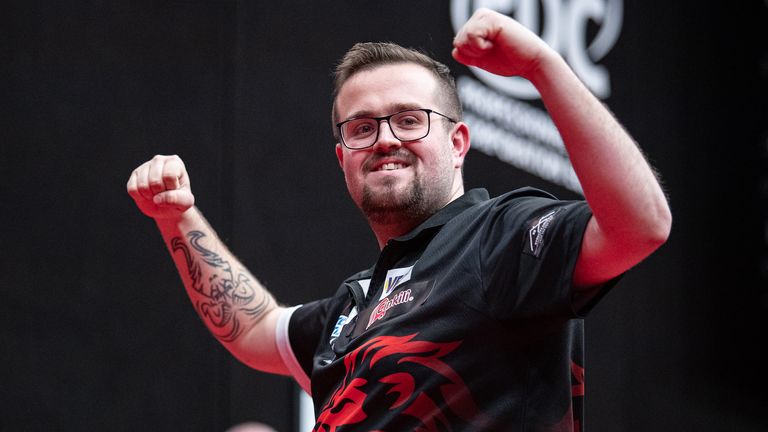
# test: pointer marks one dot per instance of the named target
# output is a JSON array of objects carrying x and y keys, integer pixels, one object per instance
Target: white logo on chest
[{"x": 395, "y": 277}]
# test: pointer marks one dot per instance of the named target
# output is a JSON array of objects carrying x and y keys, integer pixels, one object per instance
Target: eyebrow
[{"x": 390, "y": 108}]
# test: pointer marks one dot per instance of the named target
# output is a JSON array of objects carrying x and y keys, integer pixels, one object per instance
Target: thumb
[
  {"x": 462, "y": 58},
  {"x": 471, "y": 48},
  {"x": 180, "y": 198},
  {"x": 468, "y": 59}
]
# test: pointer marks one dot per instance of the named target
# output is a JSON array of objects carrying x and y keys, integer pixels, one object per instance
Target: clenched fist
[
  {"x": 500, "y": 45},
  {"x": 161, "y": 187}
]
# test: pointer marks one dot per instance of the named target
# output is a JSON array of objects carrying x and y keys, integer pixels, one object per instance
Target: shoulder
[
  {"x": 513, "y": 208},
  {"x": 526, "y": 196}
]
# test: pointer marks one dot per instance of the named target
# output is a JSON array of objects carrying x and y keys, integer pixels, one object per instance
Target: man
[{"x": 469, "y": 320}]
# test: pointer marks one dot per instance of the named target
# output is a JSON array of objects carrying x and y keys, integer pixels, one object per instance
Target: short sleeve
[
  {"x": 304, "y": 330},
  {"x": 531, "y": 248},
  {"x": 286, "y": 350}
]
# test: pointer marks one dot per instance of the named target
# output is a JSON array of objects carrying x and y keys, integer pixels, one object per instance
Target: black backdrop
[{"x": 96, "y": 330}]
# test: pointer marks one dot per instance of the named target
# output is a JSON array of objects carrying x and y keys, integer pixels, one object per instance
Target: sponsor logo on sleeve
[{"x": 537, "y": 233}]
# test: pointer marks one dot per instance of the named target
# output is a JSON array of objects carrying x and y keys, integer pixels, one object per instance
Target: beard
[
  {"x": 388, "y": 206},
  {"x": 413, "y": 204}
]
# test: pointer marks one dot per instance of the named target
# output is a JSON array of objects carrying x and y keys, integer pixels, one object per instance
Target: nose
[{"x": 386, "y": 139}]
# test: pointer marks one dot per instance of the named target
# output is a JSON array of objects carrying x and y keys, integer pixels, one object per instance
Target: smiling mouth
[{"x": 391, "y": 167}]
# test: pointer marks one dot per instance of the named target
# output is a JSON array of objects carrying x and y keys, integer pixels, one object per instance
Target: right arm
[{"x": 235, "y": 307}]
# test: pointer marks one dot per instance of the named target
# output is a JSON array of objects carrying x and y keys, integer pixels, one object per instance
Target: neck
[
  {"x": 386, "y": 231},
  {"x": 396, "y": 224}
]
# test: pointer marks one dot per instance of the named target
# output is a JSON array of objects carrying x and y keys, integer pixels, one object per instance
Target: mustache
[{"x": 401, "y": 154}]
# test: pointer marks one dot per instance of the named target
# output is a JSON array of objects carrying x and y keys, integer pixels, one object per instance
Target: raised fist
[
  {"x": 161, "y": 187},
  {"x": 500, "y": 45}
]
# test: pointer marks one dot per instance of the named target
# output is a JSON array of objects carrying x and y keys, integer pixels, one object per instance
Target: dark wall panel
[
  {"x": 97, "y": 332},
  {"x": 96, "y": 329}
]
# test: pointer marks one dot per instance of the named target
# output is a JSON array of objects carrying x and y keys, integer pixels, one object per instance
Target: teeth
[{"x": 391, "y": 166}]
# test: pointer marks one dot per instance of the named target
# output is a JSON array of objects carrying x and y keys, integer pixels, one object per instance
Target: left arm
[{"x": 631, "y": 217}]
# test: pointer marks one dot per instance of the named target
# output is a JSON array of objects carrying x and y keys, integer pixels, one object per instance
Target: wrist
[
  {"x": 177, "y": 220},
  {"x": 546, "y": 67}
]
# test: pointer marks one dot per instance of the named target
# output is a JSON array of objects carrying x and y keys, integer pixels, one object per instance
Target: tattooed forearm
[{"x": 227, "y": 301}]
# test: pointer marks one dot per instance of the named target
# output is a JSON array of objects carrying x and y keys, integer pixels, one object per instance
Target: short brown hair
[{"x": 369, "y": 55}]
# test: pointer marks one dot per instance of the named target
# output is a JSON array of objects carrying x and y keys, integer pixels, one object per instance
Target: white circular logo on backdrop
[{"x": 564, "y": 28}]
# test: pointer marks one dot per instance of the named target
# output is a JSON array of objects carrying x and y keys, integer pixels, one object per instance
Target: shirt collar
[
  {"x": 437, "y": 220},
  {"x": 469, "y": 199}
]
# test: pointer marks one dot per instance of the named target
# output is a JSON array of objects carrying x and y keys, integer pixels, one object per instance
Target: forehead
[{"x": 386, "y": 89}]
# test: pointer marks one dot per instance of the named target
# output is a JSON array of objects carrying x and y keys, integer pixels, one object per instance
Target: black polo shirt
[{"x": 467, "y": 323}]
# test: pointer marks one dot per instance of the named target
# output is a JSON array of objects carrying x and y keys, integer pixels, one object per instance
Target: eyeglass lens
[{"x": 405, "y": 126}]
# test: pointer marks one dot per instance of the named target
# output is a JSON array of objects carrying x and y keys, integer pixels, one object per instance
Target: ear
[
  {"x": 340, "y": 155},
  {"x": 460, "y": 142}
]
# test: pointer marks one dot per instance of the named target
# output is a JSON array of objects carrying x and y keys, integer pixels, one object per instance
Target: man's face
[{"x": 393, "y": 180}]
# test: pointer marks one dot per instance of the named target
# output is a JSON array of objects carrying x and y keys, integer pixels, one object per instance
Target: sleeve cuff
[{"x": 286, "y": 352}]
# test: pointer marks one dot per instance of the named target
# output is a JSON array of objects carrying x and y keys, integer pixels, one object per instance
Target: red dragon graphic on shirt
[{"x": 346, "y": 405}]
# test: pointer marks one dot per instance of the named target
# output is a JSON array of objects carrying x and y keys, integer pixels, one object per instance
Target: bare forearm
[
  {"x": 620, "y": 186},
  {"x": 233, "y": 305},
  {"x": 631, "y": 217}
]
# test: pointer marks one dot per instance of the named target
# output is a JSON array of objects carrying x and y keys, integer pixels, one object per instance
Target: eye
[
  {"x": 409, "y": 120},
  {"x": 360, "y": 128}
]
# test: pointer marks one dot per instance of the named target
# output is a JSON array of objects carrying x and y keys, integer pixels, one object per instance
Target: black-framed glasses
[{"x": 408, "y": 125}]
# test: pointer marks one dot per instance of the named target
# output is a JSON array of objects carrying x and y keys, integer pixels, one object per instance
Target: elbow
[
  {"x": 648, "y": 233},
  {"x": 659, "y": 227}
]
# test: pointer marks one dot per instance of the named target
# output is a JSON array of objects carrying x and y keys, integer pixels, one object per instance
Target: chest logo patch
[
  {"x": 380, "y": 311},
  {"x": 395, "y": 277}
]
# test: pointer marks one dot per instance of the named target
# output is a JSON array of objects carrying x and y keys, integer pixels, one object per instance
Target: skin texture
[
  {"x": 395, "y": 201},
  {"x": 631, "y": 217},
  {"x": 235, "y": 307}
]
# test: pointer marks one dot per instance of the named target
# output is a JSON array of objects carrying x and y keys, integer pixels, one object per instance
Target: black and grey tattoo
[{"x": 227, "y": 304}]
